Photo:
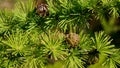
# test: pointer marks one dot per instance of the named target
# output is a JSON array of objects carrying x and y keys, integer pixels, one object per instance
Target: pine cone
[
  {"x": 93, "y": 60},
  {"x": 72, "y": 39},
  {"x": 93, "y": 57},
  {"x": 41, "y": 8}
]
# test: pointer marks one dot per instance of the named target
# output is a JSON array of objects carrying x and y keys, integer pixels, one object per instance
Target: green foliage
[
  {"x": 8, "y": 21},
  {"x": 74, "y": 59},
  {"x": 112, "y": 61},
  {"x": 85, "y": 41},
  {"x": 28, "y": 40},
  {"x": 53, "y": 46},
  {"x": 102, "y": 43},
  {"x": 14, "y": 48}
]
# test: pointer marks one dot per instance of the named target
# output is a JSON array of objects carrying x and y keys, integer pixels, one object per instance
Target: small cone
[
  {"x": 72, "y": 39},
  {"x": 41, "y": 8},
  {"x": 93, "y": 57}
]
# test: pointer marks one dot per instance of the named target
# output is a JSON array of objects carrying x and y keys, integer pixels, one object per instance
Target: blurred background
[{"x": 8, "y": 3}]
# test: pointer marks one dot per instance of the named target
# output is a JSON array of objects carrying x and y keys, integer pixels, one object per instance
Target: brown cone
[
  {"x": 72, "y": 39},
  {"x": 41, "y": 8}
]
